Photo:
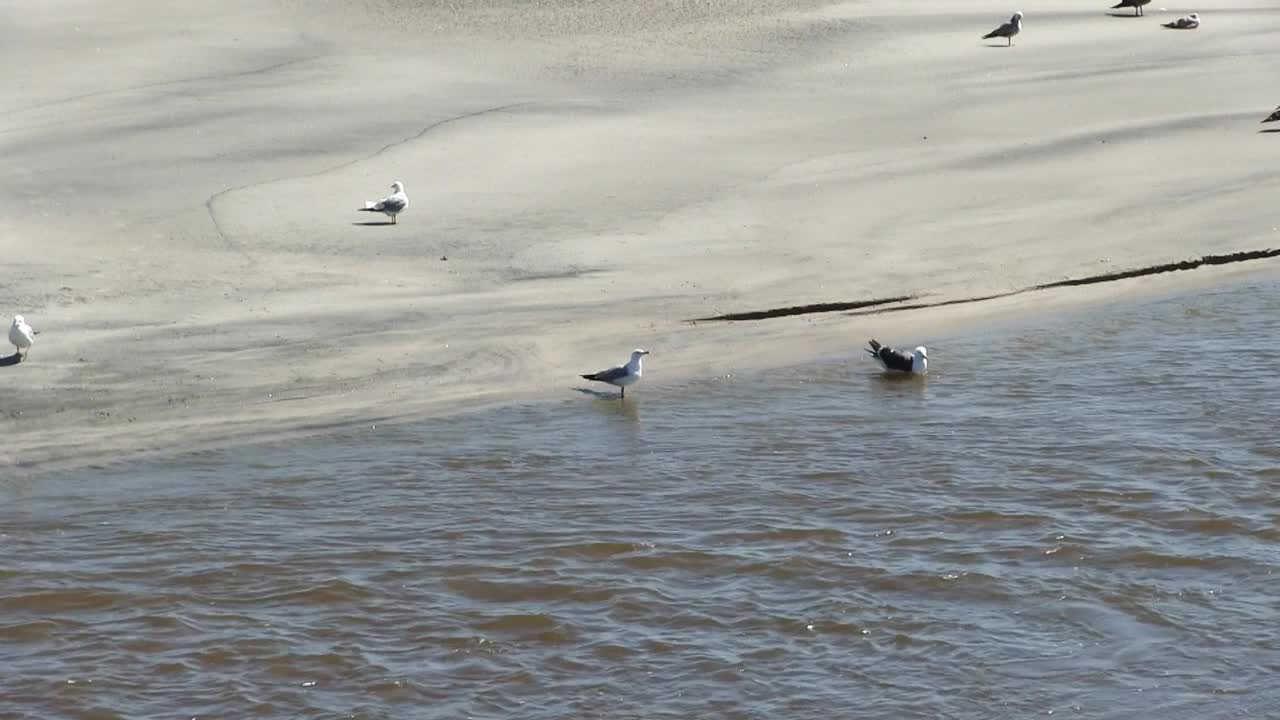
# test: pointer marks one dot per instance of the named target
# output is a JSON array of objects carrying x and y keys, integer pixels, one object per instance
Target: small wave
[
  {"x": 55, "y": 601},
  {"x": 594, "y": 550},
  {"x": 35, "y": 631},
  {"x": 518, "y": 592},
  {"x": 536, "y": 627}
]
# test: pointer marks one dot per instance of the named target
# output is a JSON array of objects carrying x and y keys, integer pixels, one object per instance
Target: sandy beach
[{"x": 177, "y": 201}]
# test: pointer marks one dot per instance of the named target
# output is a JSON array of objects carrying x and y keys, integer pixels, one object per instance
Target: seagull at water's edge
[
  {"x": 391, "y": 205},
  {"x": 21, "y": 335},
  {"x": 1007, "y": 30},
  {"x": 1186, "y": 22},
  {"x": 1273, "y": 117},
  {"x": 916, "y": 363},
  {"x": 1135, "y": 4},
  {"x": 623, "y": 375}
]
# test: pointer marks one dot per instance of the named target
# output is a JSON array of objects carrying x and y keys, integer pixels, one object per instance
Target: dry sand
[{"x": 179, "y": 182}]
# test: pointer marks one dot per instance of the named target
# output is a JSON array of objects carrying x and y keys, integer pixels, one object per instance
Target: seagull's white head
[
  {"x": 1194, "y": 16},
  {"x": 637, "y": 353},
  {"x": 19, "y": 320},
  {"x": 397, "y": 186},
  {"x": 920, "y": 361},
  {"x": 1016, "y": 17}
]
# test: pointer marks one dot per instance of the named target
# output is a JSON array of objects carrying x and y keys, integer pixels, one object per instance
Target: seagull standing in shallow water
[
  {"x": 623, "y": 375},
  {"x": 21, "y": 335},
  {"x": 1007, "y": 30},
  {"x": 391, "y": 205},
  {"x": 916, "y": 363}
]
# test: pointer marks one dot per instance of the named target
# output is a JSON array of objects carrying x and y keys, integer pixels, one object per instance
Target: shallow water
[{"x": 1079, "y": 517}]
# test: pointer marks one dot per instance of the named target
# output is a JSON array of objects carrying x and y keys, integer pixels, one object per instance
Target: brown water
[{"x": 1078, "y": 517}]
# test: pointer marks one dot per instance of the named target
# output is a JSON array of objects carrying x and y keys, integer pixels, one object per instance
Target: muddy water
[{"x": 1077, "y": 516}]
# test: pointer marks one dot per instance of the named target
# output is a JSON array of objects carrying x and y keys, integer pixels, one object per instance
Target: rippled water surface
[{"x": 1078, "y": 517}]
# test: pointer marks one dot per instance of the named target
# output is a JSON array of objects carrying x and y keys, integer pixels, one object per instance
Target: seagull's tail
[
  {"x": 592, "y": 376},
  {"x": 874, "y": 350},
  {"x": 989, "y": 35},
  {"x": 368, "y": 209}
]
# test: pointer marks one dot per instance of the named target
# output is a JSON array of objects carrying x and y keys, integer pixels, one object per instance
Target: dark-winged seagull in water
[
  {"x": 1273, "y": 117},
  {"x": 623, "y": 375},
  {"x": 1135, "y": 4},
  {"x": 391, "y": 205},
  {"x": 1186, "y": 22},
  {"x": 1007, "y": 30},
  {"x": 916, "y": 363}
]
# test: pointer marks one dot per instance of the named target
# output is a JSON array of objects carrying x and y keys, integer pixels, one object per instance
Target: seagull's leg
[{"x": 624, "y": 392}]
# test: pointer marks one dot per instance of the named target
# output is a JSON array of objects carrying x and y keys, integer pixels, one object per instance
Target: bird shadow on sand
[
  {"x": 372, "y": 223},
  {"x": 993, "y": 45},
  {"x": 1126, "y": 15},
  {"x": 8, "y": 360},
  {"x": 1268, "y": 131}
]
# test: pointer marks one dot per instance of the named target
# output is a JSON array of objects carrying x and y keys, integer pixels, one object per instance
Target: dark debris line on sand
[{"x": 871, "y": 307}]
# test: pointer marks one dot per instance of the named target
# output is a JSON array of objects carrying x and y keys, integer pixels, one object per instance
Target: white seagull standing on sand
[
  {"x": 21, "y": 335},
  {"x": 623, "y": 375},
  {"x": 1007, "y": 30},
  {"x": 391, "y": 205},
  {"x": 1186, "y": 22},
  {"x": 1135, "y": 4},
  {"x": 916, "y": 363},
  {"x": 1273, "y": 117}
]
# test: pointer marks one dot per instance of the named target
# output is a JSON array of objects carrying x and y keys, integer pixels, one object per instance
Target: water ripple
[{"x": 1009, "y": 538}]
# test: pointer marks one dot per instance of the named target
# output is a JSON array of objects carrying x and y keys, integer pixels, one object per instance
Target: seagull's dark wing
[
  {"x": 1273, "y": 117},
  {"x": 608, "y": 375},
  {"x": 896, "y": 359},
  {"x": 1003, "y": 31},
  {"x": 393, "y": 203}
]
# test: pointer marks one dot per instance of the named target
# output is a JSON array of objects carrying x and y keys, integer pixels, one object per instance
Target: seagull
[
  {"x": 916, "y": 363},
  {"x": 1135, "y": 4},
  {"x": 1186, "y": 22},
  {"x": 391, "y": 205},
  {"x": 21, "y": 335},
  {"x": 623, "y": 375},
  {"x": 1007, "y": 30},
  {"x": 1273, "y": 117}
]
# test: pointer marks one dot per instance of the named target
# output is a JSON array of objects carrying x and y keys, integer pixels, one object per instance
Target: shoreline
[
  {"x": 179, "y": 205},
  {"x": 984, "y": 318}
]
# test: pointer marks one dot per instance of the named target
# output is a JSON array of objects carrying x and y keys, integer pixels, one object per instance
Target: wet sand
[{"x": 177, "y": 202}]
